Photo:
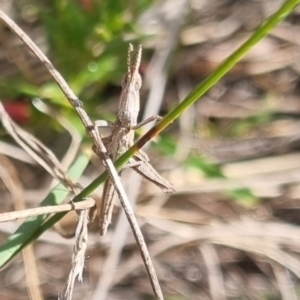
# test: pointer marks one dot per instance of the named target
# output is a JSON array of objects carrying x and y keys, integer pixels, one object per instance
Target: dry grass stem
[
  {"x": 13, "y": 184},
  {"x": 74, "y": 146},
  {"x": 216, "y": 282},
  {"x": 36, "y": 149},
  {"x": 31, "y": 212},
  {"x": 78, "y": 256}
]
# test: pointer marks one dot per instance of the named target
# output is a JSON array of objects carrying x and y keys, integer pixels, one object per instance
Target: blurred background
[{"x": 231, "y": 229}]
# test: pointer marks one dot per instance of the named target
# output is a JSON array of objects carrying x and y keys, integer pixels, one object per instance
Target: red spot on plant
[{"x": 18, "y": 110}]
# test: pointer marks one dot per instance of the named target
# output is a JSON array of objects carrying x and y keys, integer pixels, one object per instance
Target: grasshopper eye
[
  {"x": 124, "y": 80},
  {"x": 138, "y": 82},
  {"x": 135, "y": 81}
]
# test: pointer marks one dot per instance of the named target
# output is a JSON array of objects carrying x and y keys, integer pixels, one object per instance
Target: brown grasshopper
[{"x": 122, "y": 138}]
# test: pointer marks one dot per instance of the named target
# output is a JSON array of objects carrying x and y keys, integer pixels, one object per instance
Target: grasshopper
[{"x": 122, "y": 138}]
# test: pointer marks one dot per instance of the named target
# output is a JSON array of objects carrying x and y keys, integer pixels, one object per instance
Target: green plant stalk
[
  {"x": 203, "y": 87},
  {"x": 213, "y": 78},
  {"x": 199, "y": 91}
]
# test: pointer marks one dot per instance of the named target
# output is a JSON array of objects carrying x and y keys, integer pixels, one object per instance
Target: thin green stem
[{"x": 203, "y": 87}]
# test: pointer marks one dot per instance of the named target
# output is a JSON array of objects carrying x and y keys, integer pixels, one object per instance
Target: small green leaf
[
  {"x": 210, "y": 170},
  {"x": 244, "y": 197}
]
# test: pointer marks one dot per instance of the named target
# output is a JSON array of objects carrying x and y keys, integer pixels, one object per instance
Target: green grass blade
[
  {"x": 286, "y": 8},
  {"x": 214, "y": 77},
  {"x": 27, "y": 232}
]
